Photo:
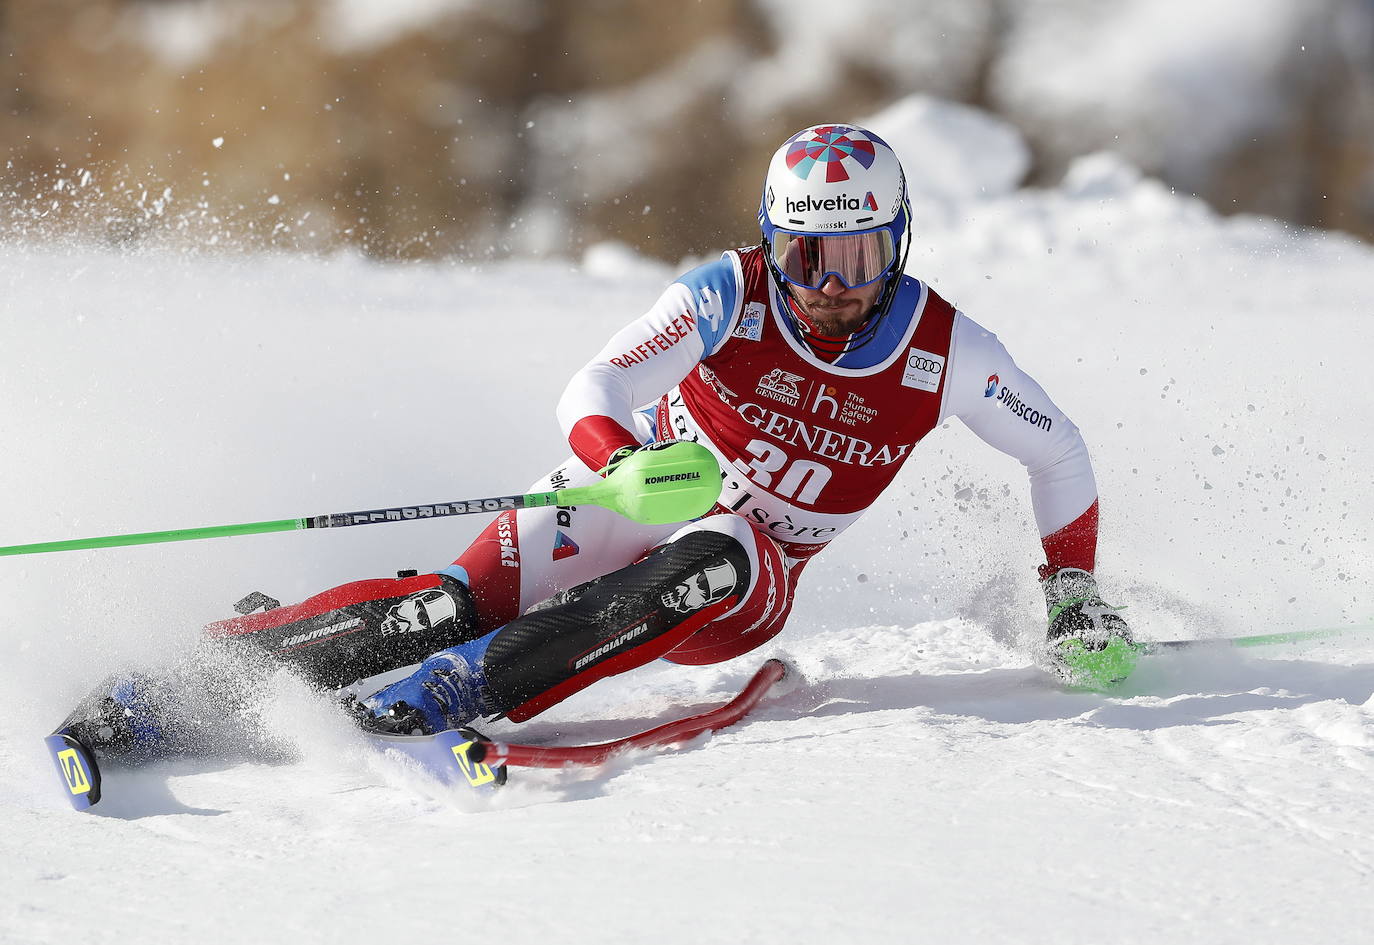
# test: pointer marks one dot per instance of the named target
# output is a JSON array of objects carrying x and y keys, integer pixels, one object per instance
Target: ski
[
  {"x": 77, "y": 768},
  {"x": 1100, "y": 670},
  {"x": 72, "y": 746},
  {"x": 464, "y": 756},
  {"x": 461, "y": 756},
  {"x": 447, "y": 755},
  {"x": 1261, "y": 639}
]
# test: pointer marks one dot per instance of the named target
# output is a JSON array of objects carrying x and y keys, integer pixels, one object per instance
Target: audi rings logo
[{"x": 923, "y": 370}]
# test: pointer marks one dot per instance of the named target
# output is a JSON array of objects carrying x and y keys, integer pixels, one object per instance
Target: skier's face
[{"x": 834, "y": 310}]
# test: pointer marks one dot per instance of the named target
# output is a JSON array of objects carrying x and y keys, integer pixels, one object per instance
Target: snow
[
  {"x": 951, "y": 152},
  {"x": 916, "y": 44},
  {"x": 612, "y": 260},
  {"x": 567, "y": 139},
  {"x": 1141, "y": 70},
  {"x": 925, "y": 782},
  {"x": 184, "y": 35}
]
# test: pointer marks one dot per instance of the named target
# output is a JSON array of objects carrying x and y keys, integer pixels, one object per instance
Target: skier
[{"x": 812, "y": 367}]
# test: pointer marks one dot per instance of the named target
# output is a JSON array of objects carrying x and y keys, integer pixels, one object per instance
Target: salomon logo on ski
[
  {"x": 76, "y": 767},
  {"x": 476, "y": 773},
  {"x": 69, "y": 763}
]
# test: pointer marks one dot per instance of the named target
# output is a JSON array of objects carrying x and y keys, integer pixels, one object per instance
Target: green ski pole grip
[{"x": 674, "y": 483}]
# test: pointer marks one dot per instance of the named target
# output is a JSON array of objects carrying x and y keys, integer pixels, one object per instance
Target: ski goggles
[{"x": 856, "y": 259}]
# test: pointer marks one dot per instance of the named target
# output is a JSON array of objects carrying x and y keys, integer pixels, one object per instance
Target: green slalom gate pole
[
  {"x": 1262, "y": 639},
  {"x": 676, "y": 483}
]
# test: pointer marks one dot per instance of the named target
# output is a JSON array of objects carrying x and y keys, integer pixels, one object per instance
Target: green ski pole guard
[{"x": 673, "y": 483}]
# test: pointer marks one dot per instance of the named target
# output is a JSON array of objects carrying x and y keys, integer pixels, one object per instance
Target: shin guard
[
  {"x": 614, "y": 623},
  {"x": 359, "y": 629}
]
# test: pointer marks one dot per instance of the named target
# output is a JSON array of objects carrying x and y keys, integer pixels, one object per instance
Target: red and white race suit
[{"x": 806, "y": 444}]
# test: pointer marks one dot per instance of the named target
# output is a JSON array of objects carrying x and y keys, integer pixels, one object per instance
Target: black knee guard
[
  {"x": 614, "y": 623},
  {"x": 359, "y": 629}
]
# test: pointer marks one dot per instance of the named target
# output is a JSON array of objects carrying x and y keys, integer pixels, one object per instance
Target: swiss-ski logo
[
  {"x": 563, "y": 546},
  {"x": 510, "y": 544}
]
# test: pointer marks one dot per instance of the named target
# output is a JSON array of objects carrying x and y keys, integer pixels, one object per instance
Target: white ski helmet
[{"x": 835, "y": 203}]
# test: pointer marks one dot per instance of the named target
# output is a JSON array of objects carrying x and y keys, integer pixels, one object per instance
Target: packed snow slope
[{"x": 924, "y": 782}]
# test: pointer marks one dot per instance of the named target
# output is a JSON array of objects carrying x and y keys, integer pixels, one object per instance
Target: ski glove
[
  {"x": 616, "y": 458},
  {"x": 1089, "y": 642},
  {"x": 625, "y": 452}
]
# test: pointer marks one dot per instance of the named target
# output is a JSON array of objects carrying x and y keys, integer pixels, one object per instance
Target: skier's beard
[{"x": 835, "y": 318}]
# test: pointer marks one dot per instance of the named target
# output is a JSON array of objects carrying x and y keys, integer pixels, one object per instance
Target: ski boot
[
  {"x": 1089, "y": 643},
  {"x": 201, "y": 704},
  {"x": 447, "y": 691},
  {"x": 135, "y": 718},
  {"x": 124, "y": 715}
]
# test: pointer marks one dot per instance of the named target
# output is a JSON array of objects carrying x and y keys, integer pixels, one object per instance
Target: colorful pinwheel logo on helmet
[{"x": 830, "y": 146}]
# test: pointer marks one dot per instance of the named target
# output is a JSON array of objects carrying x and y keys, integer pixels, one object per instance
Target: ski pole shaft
[
  {"x": 401, "y": 513},
  {"x": 676, "y": 483}
]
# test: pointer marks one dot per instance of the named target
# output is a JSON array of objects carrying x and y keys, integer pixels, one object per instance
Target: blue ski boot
[
  {"x": 122, "y": 716},
  {"x": 142, "y": 716},
  {"x": 445, "y": 692}
]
